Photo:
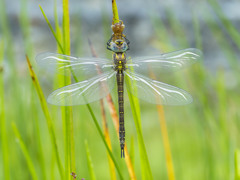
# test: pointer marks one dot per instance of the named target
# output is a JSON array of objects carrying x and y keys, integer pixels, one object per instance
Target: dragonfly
[{"x": 103, "y": 74}]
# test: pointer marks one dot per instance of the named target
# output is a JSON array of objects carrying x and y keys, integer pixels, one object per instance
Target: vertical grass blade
[
  {"x": 25, "y": 152},
  {"x": 52, "y": 30},
  {"x": 58, "y": 34},
  {"x": 47, "y": 116},
  {"x": 66, "y": 28},
  {"x": 3, "y": 131},
  {"x": 166, "y": 144},
  {"x": 67, "y": 111},
  {"x": 115, "y": 12},
  {"x": 108, "y": 140},
  {"x": 89, "y": 162}
]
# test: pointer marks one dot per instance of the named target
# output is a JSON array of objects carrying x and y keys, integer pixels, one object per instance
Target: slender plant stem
[{"x": 166, "y": 144}]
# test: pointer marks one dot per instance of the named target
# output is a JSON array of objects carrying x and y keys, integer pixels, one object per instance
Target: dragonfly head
[
  {"x": 118, "y": 45},
  {"x": 118, "y": 28}
]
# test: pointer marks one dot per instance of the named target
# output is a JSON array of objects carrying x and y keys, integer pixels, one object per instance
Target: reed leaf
[
  {"x": 67, "y": 116},
  {"x": 115, "y": 12}
]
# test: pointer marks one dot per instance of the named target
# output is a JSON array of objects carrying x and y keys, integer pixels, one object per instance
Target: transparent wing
[
  {"x": 169, "y": 62},
  {"x": 84, "y": 92},
  {"x": 58, "y": 63},
  {"x": 157, "y": 92}
]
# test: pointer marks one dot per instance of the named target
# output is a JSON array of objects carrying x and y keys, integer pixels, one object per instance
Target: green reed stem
[
  {"x": 69, "y": 136},
  {"x": 25, "y": 152},
  {"x": 115, "y": 12},
  {"x": 52, "y": 30}
]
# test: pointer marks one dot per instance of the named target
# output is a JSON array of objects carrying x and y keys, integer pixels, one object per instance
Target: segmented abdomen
[{"x": 120, "y": 81}]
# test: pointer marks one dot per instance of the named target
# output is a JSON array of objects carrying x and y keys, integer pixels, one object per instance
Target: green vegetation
[{"x": 198, "y": 141}]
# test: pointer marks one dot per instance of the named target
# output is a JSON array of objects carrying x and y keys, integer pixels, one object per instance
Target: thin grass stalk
[
  {"x": 25, "y": 152},
  {"x": 3, "y": 131},
  {"x": 166, "y": 144},
  {"x": 108, "y": 140},
  {"x": 115, "y": 12},
  {"x": 52, "y": 30},
  {"x": 89, "y": 162},
  {"x": 58, "y": 34},
  {"x": 68, "y": 119},
  {"x": 47, "y": 116}
]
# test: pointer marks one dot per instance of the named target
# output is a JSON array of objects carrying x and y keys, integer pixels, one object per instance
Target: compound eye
[
  {"x": 113, "y": 47},
  {"x": 124, "y": 47}
]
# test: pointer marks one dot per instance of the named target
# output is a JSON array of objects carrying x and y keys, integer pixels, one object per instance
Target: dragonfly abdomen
[{"x": 120, "y": 81}]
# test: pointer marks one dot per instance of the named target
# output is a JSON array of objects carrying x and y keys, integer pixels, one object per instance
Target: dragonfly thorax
[{"x": 119, "y": 61}]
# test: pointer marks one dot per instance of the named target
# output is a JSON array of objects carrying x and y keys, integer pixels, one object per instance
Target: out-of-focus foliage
[{"x": 203, "y": 136}]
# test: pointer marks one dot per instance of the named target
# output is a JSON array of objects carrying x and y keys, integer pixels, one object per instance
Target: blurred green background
[{"x": 203, "y": 136}]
